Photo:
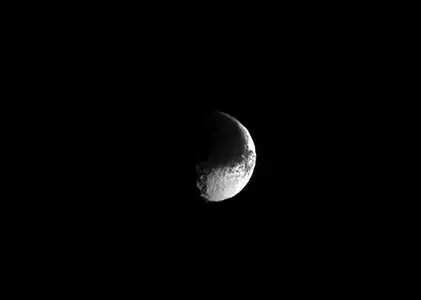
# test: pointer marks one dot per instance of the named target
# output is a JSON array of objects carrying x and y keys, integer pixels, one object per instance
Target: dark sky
[{"x": 8, "y": 8}]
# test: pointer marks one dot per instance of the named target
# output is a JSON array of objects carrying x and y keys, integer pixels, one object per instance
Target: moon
[{"x": 231, "y": 159}]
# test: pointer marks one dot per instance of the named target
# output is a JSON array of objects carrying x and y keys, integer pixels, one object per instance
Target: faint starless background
[{"x": 7, "y": 8}]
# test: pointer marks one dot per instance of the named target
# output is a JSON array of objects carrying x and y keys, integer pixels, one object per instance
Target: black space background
[
  {"x": 8, "y": 8},
  {"x": 307, "y": 89}
]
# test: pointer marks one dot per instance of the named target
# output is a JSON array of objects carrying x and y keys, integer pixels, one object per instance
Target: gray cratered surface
[{"x": 231, "y": 162}]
